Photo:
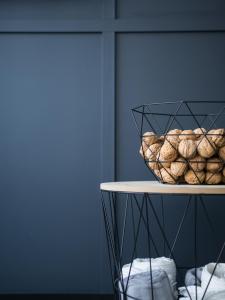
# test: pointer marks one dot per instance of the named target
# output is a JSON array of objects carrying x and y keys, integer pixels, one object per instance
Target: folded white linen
[
  {"x": 215, "y": 287},
  {"x": 160, "y": 263},
  {"x": 215, "y": 296},
  {"x": 217, "y": 282},
  {"x": 209, "y": 296},
  {"x": 143, "y": 286},
  {"x": 190, "y": 277},
  {"x": 192, "y": 291}
]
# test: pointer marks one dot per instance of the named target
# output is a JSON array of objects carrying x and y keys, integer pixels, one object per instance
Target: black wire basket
[{"x": 183, "y": 141}]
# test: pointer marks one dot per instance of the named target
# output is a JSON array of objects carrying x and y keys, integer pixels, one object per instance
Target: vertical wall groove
[{"x": 108, "y": 119}]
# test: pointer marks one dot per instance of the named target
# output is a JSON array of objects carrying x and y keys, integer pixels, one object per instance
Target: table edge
[{"x": 160, "y": 188}]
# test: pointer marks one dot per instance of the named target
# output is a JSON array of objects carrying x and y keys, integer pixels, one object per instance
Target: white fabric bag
[
  {"x": 217, "y": 282},
  {"x": 143, "y": 286},
  {"x": 160, "y": 263}
]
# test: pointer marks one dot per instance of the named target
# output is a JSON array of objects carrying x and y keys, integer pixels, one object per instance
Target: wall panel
[
  {"x": 159, "y": 67},
  {"x": 50, "y": 149},
  {"x": 176, "y": 8},
  {"x": 50, "y": 10}
]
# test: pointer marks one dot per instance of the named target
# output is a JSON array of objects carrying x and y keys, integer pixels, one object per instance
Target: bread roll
[
  {"x": 206, "y": 148},
  {"x": 143, "y": 149},
  {"x": 197, "y": 163},
  {"x": 187, "y": 148},
  {"x": 152, "y": 151},
  {"x": 214, "y": 164},
  {"x": 151, "y": 155},
  {"x": 168, "y": 152},
  {"x": 199, "y": 132},
  {"x": 167, "y": 176},
  {"x": 194, "y": 177},
  {"x": 178, "y": 167},
  {"x": 222, "y": 153},
  {"x": 187, "y": 135},
  {"x": 224, "y": 172},
  {"x": 173, "y": 136},
  {"x": 217, "y": 136},
  {"x": 213, "y": 178},
  {"x": 149, "y": 138}
]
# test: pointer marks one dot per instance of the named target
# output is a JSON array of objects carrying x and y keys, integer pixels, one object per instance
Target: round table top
[{"x": 155, "y": 187}]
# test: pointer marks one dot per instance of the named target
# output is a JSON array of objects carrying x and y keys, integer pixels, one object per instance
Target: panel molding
[
  {"x": 159, "y": 24},
  {"x": 108, "y": 130}
]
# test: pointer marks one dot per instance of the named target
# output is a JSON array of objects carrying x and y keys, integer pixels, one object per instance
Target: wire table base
[{"x": 138, "y": 223}]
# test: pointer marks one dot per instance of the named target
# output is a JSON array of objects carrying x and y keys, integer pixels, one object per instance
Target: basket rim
[{"x": 140, "y": 108}]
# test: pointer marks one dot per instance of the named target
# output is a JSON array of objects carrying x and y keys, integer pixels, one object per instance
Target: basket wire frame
[
  {"x": 148, "y": 116},
  {"x": 138, "y": 212}
]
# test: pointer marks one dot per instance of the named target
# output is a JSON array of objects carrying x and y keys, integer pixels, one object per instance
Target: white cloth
[
  {"x": 217, "y": 282},
  {"x": 215, "y": 296},
  {"x": 216, "y": 288},
  {"x": 192, "y": 291},
  {"x": 190, "y": 277},
  {"x": 210, "y": 295},
  {"x": 142, "y": 286},
  {"x": 160, "y": 263}
]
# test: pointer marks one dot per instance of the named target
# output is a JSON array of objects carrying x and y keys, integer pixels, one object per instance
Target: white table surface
[{"x": 155, "y": 187}]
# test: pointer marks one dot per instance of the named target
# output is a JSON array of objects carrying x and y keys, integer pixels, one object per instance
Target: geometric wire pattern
[
  {"x": 162, "y": 118},
  {"x": 139, "y": 229}
]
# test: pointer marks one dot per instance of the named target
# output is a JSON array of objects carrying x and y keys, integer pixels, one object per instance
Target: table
[{"x": 129, "y": 210}]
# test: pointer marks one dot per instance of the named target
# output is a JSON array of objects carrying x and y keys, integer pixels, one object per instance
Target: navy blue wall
[{"x": 69, "y": 73}]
